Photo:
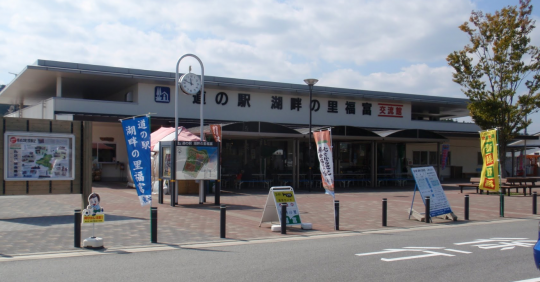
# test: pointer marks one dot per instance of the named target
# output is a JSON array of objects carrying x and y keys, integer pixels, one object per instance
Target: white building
[{"x": 264, "y": 123}]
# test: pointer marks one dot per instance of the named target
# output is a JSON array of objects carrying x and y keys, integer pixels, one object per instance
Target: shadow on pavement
[{"x": 60, "y": 219}]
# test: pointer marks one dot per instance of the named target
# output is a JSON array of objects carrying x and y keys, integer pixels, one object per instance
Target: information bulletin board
[{"x": 38, "y": 156}]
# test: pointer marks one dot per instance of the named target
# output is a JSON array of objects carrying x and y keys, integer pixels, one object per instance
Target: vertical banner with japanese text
[
  {"x": 137, "y": 135},
  {"x": 445, "y": 150},
  {"x": 324, "y": 152},
  {"x": 216, "y": 132},
  {"x": 489, "y": 180}
]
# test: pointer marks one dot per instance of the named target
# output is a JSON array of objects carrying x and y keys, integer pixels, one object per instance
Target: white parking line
[
  {"x": 530, "y": 280},
  {"x": 458, "y": 251},
  {"x": 430, "y": 254}
]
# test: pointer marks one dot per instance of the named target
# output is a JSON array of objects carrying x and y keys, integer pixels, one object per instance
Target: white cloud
[
  {"x": 414, "y": 79},
  {"x": 285, "y": 38},
  {"x": 282, "y": 41}
]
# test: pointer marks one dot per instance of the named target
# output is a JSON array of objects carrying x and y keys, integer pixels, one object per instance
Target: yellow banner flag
[{"x": 489, "y": 180}]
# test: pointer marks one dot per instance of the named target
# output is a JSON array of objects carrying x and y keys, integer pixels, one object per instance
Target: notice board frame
[{"x": 11, "y": 136}]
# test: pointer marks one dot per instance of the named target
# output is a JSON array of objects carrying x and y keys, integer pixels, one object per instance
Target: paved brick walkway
[{"x": 31, "y": 224}]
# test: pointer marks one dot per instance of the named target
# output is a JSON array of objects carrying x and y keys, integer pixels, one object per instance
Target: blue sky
[{"x": 383, "y": 45}]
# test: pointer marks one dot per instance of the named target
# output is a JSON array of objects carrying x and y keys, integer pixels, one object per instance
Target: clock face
[{"x": 190, "y": 83}]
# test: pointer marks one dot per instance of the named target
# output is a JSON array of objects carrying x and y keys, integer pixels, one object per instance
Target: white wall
[{"x": 464, "y": 153}]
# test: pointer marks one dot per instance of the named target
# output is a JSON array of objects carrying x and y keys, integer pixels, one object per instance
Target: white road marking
[
  {"x": 425, "y": 248},
  {"x": 530, "y": 280},
  {"x": 430, "y": 254},
  {"x": 458, "y": 251}
]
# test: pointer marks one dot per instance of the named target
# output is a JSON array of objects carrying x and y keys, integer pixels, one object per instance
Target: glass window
[
  {"x": 432, "y": 158},
  {"x": 424, "y": 157},
  {"x": 104, "y": 152},
  {"x": 416, "y": 157}
]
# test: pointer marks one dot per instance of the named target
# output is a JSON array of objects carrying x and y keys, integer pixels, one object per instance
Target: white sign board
[
  {"x": 272, "y": 209},
  {"x": 429, "y": 186},
  {"x": 38, "y": 156}
]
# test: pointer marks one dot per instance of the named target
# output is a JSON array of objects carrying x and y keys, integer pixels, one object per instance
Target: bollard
[
  {"x": 428, "y": 209},
  {"x": 172, "y": 186},
  {"x": 223, "y": 210},
  {"x": 384, "y": 212},
  {"x": 153, "y": 224},
  {"x": 466, "y": 207},
  {"x": 217, "y": 193},
  {"x": 283, "y": 218},
  {"x": 336, "y": 214},
  {"x": 77, "y": 235},
  {"x": 501, "y": 212},
  {"x": 534, "y": 202},
  {"x": 160, "y": 191},
  {"x": 206, "y": 186}
]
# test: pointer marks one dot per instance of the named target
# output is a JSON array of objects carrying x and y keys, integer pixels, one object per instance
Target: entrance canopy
[
  {"x": 168, "y": 133},
  {"x": 521, "y": 144},
  {"x": 343, "y": 132},
  {"x": 414, "y": 135},
  {"x": 252, "y": 129}
]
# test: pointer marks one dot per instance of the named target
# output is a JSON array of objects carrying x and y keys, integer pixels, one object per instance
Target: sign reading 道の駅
[
  {"x": 429, "y": 185},
  {"x": 272, "y": 209}
]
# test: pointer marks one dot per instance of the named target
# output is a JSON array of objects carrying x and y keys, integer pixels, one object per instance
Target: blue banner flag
[
  {"x": 445, "y": 150},
  {"x": 137, "y": 135}
]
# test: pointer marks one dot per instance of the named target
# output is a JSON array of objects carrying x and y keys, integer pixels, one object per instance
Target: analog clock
[{"x": 190, "y": 83}]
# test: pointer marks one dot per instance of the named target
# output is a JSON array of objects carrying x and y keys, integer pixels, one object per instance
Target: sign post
[
  {"x": 428, "y": 185},
  {"x": 272, "y": 210},
  {"x": 93, "y": 214}
]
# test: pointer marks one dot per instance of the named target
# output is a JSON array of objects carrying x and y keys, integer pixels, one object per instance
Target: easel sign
[
  {"x": 429, "y": 185},
  {"x": 272, "y": 209}
]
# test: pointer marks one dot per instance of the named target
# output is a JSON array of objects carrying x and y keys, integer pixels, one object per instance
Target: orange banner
[
  {"x": 323, "y": 140},
  {"x": 216, "y": 132}
]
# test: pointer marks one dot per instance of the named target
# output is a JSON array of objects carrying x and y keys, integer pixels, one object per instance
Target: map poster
[
  {"x": 197, "y": 160},
  {"x": 39, "y": 156},
  {"x": 429, "y": 185}
]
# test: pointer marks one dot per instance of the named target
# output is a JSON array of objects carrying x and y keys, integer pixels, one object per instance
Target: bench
[
  {"x": 345, "y": 182},
  {"x": 520, "y": 182},
  {"x": 505, "y": 185},
  {"x": 266, "y": 182},
  {"x": 474, "y": 183}
]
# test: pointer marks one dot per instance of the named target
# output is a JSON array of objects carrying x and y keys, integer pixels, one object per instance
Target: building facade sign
[
  {"x": 162, "y": 94},
  {"x": 282, "y": 107},
  {"x": 390, "y": 110}
]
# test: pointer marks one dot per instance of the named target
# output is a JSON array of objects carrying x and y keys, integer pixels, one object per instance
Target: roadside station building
[{"x": 375, "y": 135}]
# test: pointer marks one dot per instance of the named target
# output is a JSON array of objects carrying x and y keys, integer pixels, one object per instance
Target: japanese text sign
[
  {"x": 489, "y": 180},
  {"x": 429, "y": 185},
  {"x": 324, "y": 153},
  {"x": 137, "y": 135}
]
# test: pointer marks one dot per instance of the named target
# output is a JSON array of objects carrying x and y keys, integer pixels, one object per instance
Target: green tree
[{"x": 496, "y": 64}]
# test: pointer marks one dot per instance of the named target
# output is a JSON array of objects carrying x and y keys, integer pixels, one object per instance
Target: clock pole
[{"x": 201, "y": 182}]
